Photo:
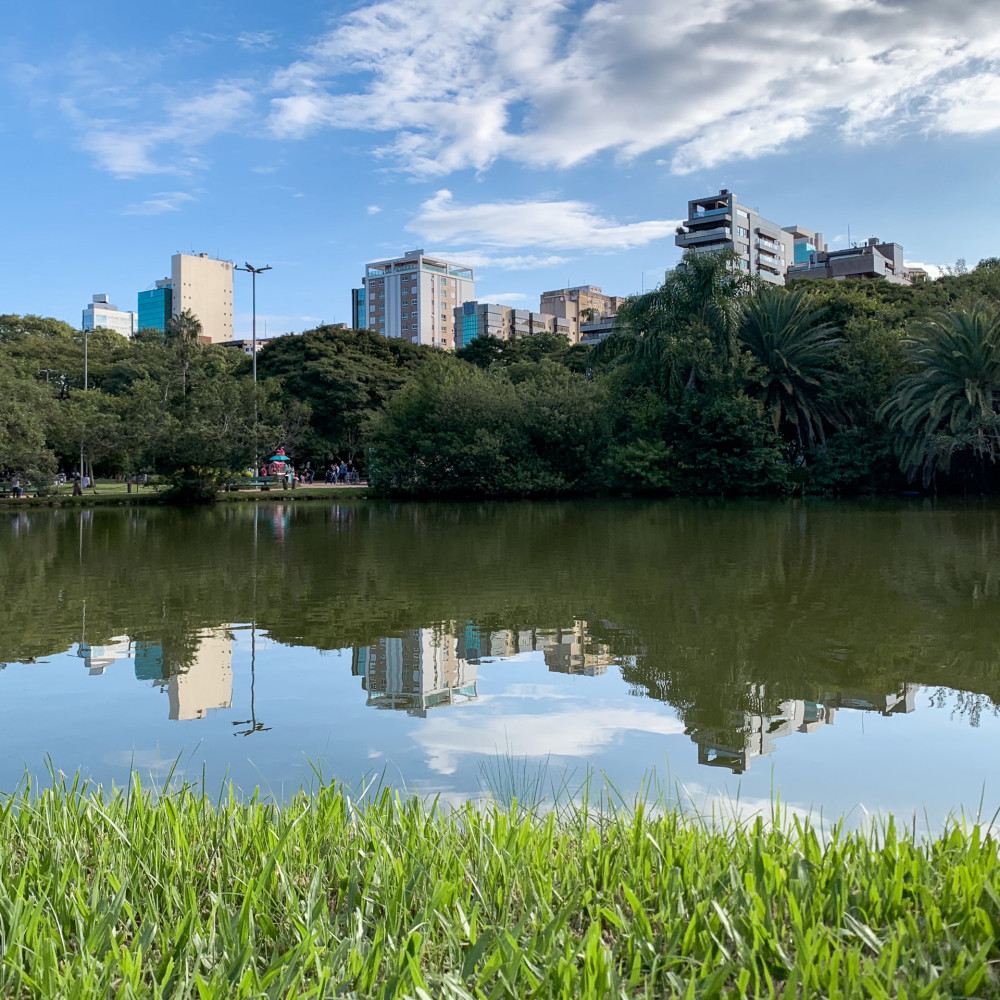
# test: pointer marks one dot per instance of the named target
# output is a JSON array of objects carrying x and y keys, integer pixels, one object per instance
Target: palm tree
[
  {"x": 183, "y": 333},
  {"x": 950, "y": 402},
  {"x": 662, "y": 334},
  {"x": 794, "y": 348}
]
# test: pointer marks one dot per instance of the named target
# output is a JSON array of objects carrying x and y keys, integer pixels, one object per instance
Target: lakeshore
[{"x": 190, "y": 896}]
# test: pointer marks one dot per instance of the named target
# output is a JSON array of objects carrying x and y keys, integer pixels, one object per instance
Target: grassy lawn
[{"x": 325, "y": 897}]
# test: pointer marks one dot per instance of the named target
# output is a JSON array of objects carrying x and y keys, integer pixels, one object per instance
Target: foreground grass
[{"x": 121, "y": 896}]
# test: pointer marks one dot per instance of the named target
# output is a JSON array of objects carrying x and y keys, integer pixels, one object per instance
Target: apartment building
[
  {"x": 155, "y": 306},
  {"x": 579, "y": 305},
  {"x": 413, "y": 297},
  {"x": 872, "y": 259},
  {"x": 204, "y": 285},
  {"x": 489, "y": 319},
  {"x": 719, "y": 222},
  {"x": 101, "y": 314}
]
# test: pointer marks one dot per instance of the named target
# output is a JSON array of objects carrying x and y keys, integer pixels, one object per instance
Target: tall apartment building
[
  {"x": 155, "y": 306},
  {"x": 204, "y": 286},
  {"x": 101, "y": 314},
  {"x": 579, "y": 305},
  {"x": 488, "y": 319},
  {"x": 413, "y": 297},
  {"x": 720, "y": 222}
]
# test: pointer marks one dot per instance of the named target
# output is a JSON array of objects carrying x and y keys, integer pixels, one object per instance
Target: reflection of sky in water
[{"x": 562, "y": 705}]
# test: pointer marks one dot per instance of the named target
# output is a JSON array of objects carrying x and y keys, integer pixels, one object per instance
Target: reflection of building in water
[
  {"x": 565, "y": 650},
  {"x": 753, "y": 735},
  {"x": 202, "y": 682},
  {"x": 97, "y": 658},
  {"x": 572, "y": 651},
  {"x": 419, "y": 670}
]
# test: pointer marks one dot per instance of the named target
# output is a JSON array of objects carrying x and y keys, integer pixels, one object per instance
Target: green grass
[{"x": 129, "y": 895}]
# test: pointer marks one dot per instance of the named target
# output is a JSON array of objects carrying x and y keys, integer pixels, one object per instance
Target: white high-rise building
[
  {"x": 413, "y": 297},
  {"x": 204, "y": 286},
  {"x": 101, "y": 314}
]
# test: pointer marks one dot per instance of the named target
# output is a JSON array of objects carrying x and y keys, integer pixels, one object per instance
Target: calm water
[{"x": 846, "y": 656}]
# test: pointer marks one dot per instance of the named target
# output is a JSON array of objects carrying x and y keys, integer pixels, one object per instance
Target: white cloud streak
[
  {"x": 158, "y": 204},
  {"x": 456, "y": 84},
  {"x": 547, "y": 225}
]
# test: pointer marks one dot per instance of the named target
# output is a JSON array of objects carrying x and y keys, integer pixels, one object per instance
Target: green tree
[
  {"x": 948, "y": 405},
  {"x": 183, "y": 336},
  {"x": 794, "y": 349}
]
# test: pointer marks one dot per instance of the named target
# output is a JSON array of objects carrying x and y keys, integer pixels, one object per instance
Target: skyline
[{"x": 547, "y": 144}]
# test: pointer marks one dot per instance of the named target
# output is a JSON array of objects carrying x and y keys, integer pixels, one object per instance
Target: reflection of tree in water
[{"x": 723, "y": 611}]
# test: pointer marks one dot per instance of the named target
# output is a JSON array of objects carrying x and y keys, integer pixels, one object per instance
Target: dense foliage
[
  {"x": 126, "y": 895},
  {"x": 709, "y": 384}
]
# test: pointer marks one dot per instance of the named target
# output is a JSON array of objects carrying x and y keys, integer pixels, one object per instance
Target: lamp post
[
  {"x": 86, "y": 343},
  {"x": 254, "y": 271}
]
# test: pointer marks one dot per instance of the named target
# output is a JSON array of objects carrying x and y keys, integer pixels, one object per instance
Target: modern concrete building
[
  {"x": 155, "y": 306},
  {"x": 246, "y": 346},
  {"x": 204, "y": 286},
  {"x": 580, "y": 305},
  {"x": 806, "y": 243},
  {"x": 413, "y": 297},
  {"x": 102, "y": 315},
  {"x": 489, "y": 319},
  {"x": 573, "y": 651},
  {"x": 870, "y": 260},
  {"x": 719, "y": 222}
]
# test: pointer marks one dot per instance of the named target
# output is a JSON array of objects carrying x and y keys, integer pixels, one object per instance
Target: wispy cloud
[
  {"x": 256, "y": 41},
  {"x": 170, "y": 146},
  {"x": 554, "y": 225},
  {"x": 708, "y": 83},
  {"x": 158, "y": 204},
  {"x": 374, "y": 209}
]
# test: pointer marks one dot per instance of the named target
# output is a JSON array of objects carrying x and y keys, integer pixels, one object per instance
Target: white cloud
[
  {"x": 555, "y": 225},
  {"x": 707, "y": 83},
  {"x": 130, "y": 150},
  {"x": 575, "y": 733},
  {"x": 374, "y": 209},
  {"x": 256, "y": 41},
  {"x": 934, "y": 271},
  {"x": 158, "y": 204},
  {"x": 505, "y": 262},
  {"x": 264, "y": 170}
]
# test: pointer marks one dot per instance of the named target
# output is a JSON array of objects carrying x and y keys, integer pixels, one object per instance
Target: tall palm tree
[
  {"x": 182, "y": 333},
  {"x": 658, "y": 334},
  {"x": 950, "y": 402},
  {"x": 794, "y": 348}
]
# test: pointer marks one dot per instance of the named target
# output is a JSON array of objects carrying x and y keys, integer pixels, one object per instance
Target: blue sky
[{"x": 545, "y": 142}]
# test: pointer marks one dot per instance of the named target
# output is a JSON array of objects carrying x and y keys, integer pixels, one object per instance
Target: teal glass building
[{"x": 155, "y": 306}]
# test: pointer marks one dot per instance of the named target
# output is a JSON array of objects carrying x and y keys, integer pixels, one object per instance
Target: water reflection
[
  {"x": 734, "y": 628},
  {"x": 750, "y": 735}
]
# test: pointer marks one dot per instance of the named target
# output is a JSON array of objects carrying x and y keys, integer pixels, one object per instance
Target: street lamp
[{"x": 254, "y": 271}]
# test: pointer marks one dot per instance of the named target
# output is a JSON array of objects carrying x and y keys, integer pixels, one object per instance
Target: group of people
[
  {"x": 336, "y": 472},
  {"x": 341, "y": 472}
]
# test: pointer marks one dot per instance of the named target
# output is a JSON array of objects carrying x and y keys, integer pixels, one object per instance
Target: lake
[{"x": 845, "y": 656}]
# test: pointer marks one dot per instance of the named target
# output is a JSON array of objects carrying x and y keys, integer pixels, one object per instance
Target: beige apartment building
[
  {"x": 583, "y": 304},
  {"x": 204, "y": 285},
  {"x": 489, "y": 319},
  {"x": 208, "y": 681}
]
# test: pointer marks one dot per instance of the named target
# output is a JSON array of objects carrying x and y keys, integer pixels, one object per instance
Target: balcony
[
  {"x": 720, "y": 234},
  {"x": 710, "y": 212},
  {"x": 766, "y": 244},
  {"x": 767, "y": 264}
]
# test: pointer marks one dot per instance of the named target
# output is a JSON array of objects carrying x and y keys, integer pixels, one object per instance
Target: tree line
[{"x": 710, "y": 384}]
